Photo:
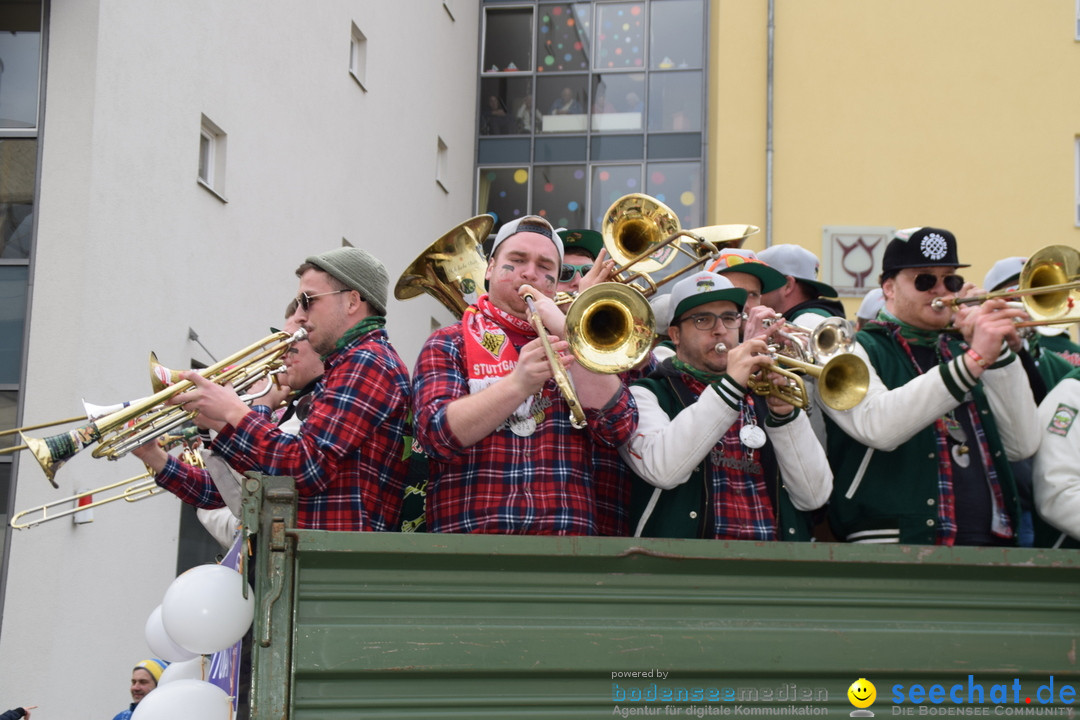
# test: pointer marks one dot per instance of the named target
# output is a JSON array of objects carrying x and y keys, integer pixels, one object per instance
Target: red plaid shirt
[
  {"x": 348, "y": 458},
  {"x": 538, "y": 484}
]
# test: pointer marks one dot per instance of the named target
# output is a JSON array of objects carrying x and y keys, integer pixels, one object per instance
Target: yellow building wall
[{"x": 960, "y": 114}]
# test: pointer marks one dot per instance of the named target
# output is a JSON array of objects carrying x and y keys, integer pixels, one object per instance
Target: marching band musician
[
  {"x": 348, "y": 458},
  {"x": 503, "y": 453},
  {"x": 1057, "y": 463},
  {"x": 713, "y": 461},
  {"x": 924, "y": 458},
  {"x": 803, "y": 300},
  {"x": 215, "y": 488}
]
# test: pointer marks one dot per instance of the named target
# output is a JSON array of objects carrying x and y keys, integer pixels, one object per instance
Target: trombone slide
[
  {"x": 134, "y": 489},
  {"x": 562, "y": 378}
]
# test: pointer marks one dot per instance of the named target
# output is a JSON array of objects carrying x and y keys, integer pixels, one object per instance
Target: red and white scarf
[{"x": 492, "y": 338}]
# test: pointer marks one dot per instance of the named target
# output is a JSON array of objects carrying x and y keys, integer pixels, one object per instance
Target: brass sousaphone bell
[{"x": 451, "y": 269}]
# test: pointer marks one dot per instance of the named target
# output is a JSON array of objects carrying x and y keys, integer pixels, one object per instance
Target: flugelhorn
[
  {"x": 842, "y": 382},
  {"x": 562, "y": 377},
  {"x": 138, "y": 487},
  {"x": 451, "y": 269},
  {"x": 120, "y": 432}
]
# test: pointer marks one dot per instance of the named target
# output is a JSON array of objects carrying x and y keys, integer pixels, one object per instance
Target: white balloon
[
  {"x": 159, "y": 642},
  {"x": 204, "y": 609},
  {"x": 198, "y": 668},
  {"x": 183, "y": 700}
]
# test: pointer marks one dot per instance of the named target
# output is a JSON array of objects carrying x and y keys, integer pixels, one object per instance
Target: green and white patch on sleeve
[{"x": 1063, "y": 419}]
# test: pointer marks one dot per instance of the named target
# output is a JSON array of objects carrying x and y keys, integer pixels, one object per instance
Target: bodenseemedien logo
[{"x": 862, "y": 694}]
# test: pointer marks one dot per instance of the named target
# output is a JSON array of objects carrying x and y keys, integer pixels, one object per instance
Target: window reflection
[
  {"x": 13, "y": 283},
  {"x": 20, "y": 54},
  {"x": 558, "y": 194},
  {"x": 675, "y": 36},
  {"x": 503, "y": 192},
  {"x": 620, "y": 36},
  {"x": 18, "y": 168},
  {"x": 678, "y": 185},
  {"x": 609, "y": 183},
  {"x": 8, "y": 407},
  {"x": 618, "y": 101},
  {"x": 563, "y": 101},
  {"x": 563, "y": 37},
  {"x": 508, "y": 40},
  {"x": 504, "y": 105},
  {"x": 675, "y": 102}
]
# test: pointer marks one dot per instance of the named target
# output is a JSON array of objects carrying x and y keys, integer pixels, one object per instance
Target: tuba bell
[{"x": 451, "y": 269}]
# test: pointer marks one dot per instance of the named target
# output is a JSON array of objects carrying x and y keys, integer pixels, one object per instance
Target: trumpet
[
  {"x": 842, "y": 381},
  {"x": 138, "y": 487},
  {"x": 562, "y": 378},
  {"x": 141, "y": 421},
  {"x": 823, "y": 353}
]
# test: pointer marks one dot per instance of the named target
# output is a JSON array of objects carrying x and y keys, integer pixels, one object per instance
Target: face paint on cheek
[
  {"x": 550, "y": 280},
  {"x": 507, "y": 269}
]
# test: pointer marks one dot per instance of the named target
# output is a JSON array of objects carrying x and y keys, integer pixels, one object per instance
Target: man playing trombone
[
  {"x": 215, "y": 488},
  {"x": 713, "y": 461},
  {"x": 924, "y": 458},
  {"x": 348, "y": 458},
  {"x": 494, "y": 399}
]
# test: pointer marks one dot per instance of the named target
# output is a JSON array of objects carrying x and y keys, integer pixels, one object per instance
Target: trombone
[
  {"x": 562, "y": 378},
  {"x": 140, "y": 421},
  {"x": 1049, "y": 288},
  {"x": 135, "y": 488},
  {"x": 611, "y": 326}
]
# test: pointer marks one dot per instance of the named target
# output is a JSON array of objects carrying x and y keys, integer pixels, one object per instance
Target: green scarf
[
  {"x": 914, "y": 335},
  {"x": 703, "y": 375},
  {"x": 371, "y": 322}
]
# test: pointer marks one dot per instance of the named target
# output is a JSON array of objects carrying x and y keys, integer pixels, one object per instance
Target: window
[
  {"x": 358, "y": 57},
  {"x": 583, "y": 102},
  {"x": 20, "y": 85},
  {"x": 441, "y": 164},
  {"x": 212, "y": 158}
]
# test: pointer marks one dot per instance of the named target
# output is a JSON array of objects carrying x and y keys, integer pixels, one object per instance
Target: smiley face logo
[{"x": 862, "y": 693}]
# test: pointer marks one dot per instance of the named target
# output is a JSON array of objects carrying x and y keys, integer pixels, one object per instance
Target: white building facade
[{"x": 184, "y": 159}]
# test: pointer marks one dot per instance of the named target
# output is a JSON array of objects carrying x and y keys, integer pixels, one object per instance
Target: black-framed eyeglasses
[
  {"x": 304, "y": 300},
  {"x": 928, "y": 281},
  {"x": 707, "y": 320},
  {"x": 566, "y": 274}
]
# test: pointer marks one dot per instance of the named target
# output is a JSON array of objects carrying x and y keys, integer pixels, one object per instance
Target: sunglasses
[
  {"x": 566, "y": 274},
  {"x": 304, "y": 300},
  {"x": 926, "y": 281}
]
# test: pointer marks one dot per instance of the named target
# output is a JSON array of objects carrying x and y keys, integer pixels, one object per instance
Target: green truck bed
[{"x": 381, "y": 625}]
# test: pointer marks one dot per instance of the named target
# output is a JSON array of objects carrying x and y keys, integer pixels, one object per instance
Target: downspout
[{"x": 769, "y": 126}]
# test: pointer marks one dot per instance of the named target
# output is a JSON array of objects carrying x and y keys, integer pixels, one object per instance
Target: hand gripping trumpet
[
  {"x": 562, "y": 378},
  {"x": 140, "y": 422}
]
